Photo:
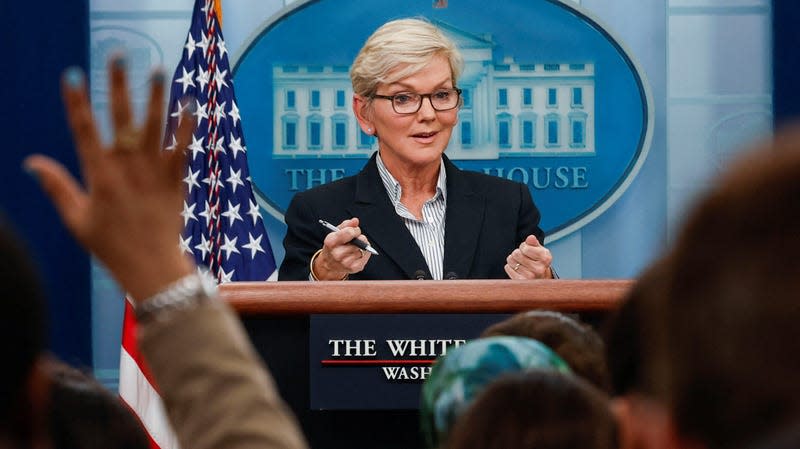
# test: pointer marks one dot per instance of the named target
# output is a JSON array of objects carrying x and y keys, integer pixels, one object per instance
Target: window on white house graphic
[
  {"x": 504, "y": 130},
  {"x": 552, "y": 97},
  {"x": 466, "y": 98},
  {"x": 340, "y": 99},
  {"x": 577, "y": 130},
  {"x": 527, "y": 97},
  {"x": 339, "y": 128},
  {"x": 466, "y": 134},
  {"x": 313, "y": 99},
  {"x": 527, "y": 131},
  {"x": 289, "y": 125},
  {"x": 314, "y": 125},
  {"x": 552, "y": 125},
  {"x": 577, "y": 97},
  {"x": 502, "y": 97}
]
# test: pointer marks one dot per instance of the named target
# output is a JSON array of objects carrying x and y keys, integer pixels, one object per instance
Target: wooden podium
[{"x": 276, "y": 316}]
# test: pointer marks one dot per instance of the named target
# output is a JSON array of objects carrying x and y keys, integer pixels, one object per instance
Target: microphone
[
  {"x": 451, "y": 276},
  {"x": 420, "y": 275}
]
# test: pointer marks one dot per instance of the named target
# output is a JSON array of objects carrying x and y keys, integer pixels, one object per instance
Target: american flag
[{"x": 223, "y": 229}]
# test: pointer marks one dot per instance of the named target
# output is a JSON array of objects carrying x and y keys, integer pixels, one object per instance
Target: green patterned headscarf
[{"x": 458, "y": 377}]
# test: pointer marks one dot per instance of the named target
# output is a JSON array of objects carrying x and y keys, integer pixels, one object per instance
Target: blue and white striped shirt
[{"x": 429, "y": 231}]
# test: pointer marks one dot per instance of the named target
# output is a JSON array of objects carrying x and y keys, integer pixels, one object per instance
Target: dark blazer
[{"x": 487, "y": 217}]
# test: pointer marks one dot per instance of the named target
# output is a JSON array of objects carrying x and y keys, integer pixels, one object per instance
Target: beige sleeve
[{"x": 216, "y": 391}]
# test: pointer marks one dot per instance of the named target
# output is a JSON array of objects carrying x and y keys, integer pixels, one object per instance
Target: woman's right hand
[{"x": 338, "y": 258}]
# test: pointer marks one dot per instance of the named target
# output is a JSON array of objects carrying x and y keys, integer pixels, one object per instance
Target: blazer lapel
[
  {"x": 464, "y": 219},
  {"x": 381, "y": 224}
]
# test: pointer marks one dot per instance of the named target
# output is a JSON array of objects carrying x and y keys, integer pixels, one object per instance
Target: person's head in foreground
[
  {"x": 459, "y": 376},
  {"x": 536, "y": 409},
  {"x": 726, "y": 358},
  {"x": 85, "y": 415},
  {"x": 576, "y": 342},
  {"x": 641, "y": 416},
  {"x": 23, "y": 378}
]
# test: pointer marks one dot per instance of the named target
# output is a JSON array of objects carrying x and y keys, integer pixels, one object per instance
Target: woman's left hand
[{"x": 530, "y": 261}]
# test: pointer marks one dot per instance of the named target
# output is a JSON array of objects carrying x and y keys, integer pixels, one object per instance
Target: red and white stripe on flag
[{"x": 138, "y": 390}]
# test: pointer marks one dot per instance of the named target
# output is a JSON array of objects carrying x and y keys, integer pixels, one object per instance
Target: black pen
[{"x": 358, "y": 242}]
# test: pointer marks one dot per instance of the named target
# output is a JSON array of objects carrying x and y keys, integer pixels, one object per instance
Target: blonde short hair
[{"x": 399, "y": 49}]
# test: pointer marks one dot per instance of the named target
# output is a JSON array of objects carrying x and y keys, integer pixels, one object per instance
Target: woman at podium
[{"x": 422, "y": 217}]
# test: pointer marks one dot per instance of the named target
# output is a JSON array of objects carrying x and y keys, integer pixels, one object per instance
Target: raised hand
[{"x": 127, "y": 211}]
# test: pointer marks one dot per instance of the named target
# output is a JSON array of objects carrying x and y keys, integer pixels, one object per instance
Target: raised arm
[{"x": 216, "y": 392}]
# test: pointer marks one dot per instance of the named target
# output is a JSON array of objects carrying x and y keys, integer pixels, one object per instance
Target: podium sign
[{"x": 379, "y": 361}]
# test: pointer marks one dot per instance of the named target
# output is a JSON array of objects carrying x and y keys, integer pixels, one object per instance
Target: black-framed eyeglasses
[{"x": 411, "y": 102}]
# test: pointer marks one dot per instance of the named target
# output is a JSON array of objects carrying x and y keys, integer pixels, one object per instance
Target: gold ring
[
  {"x": 127, "y": 139},
  {"x": 516, "y": 267}
]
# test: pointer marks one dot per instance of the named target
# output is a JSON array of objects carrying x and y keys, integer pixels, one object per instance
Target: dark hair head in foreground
[
  {"x": 536, "y": 409},
  {"x": 22, "y": 340},
  {"x": 627, "y": 333},
  {"x": 729, "y": 344},
  {"x": 577, "y": 343},
  {"x": 86, "y": 415}
]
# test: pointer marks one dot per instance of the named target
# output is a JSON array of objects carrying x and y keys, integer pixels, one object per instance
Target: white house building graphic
[{"x": 510, "y": 109}]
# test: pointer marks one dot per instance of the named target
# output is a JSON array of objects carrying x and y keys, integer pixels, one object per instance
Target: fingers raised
[
  {"x": 79, "y": 116},
  {"x": 154, "y": 123},
  {"x": 119, "y": 97},
  {"x": 63, "y": 190},
  {"x": 177, "y": 157}
]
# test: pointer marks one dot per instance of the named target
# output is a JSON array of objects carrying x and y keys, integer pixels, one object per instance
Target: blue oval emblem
[{"x": 551, "y": 99}]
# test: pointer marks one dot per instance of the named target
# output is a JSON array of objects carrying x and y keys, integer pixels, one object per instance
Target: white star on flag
[
  {"x": 220, "y": 78},
  {"x": 186, "y": 80},
  {"x": 221, "y": 48},
  {"x": 178, "y": 113},
  {"x": 184, "y": 244},
  {"x": 254, "y": 245},
  {"x": 235, "y": 145},
  {"x": 200, "y": 111},
  {"x": 232, "y": 214},
  {"x": 191, "y": 181},
  {"x": 253, "y": 212},
  {"x": 229, "y": 246},
  {"x": 196, "y": 146},
  {"x": 234, "y": 113},
  {"x": 190, "y": 46},
  {"x": 203, "y": 77},
  {"x": 235, "y": 179},
  {"x": 188, "y": 213}
]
